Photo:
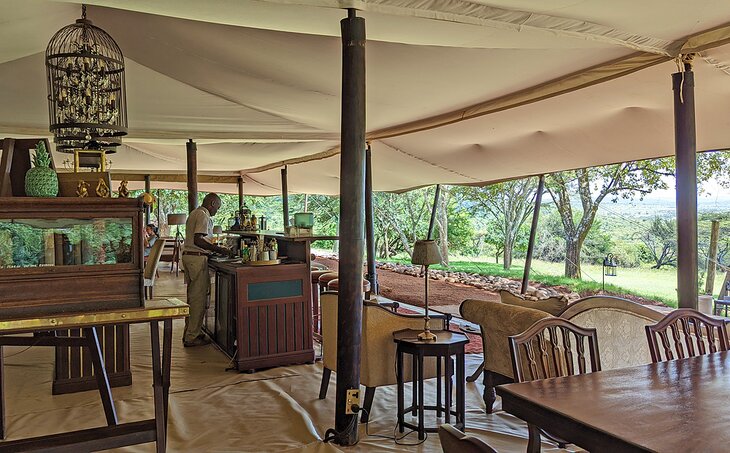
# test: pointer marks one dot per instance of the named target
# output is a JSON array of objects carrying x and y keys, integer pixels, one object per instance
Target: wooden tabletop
[
  {"x": 680, "y": 405},
  {"x": 153, "y": 310}
]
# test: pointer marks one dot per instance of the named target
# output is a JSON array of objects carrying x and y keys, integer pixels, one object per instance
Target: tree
[
  {"x": 592, "y": 186},
  {"x": 510, "y": 204},
  {"x": 660, "y": 243}
]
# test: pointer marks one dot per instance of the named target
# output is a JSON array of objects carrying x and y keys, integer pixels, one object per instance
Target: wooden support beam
[
  {"x": 147, "y": 208},
  {"x": 285, "y": 196},
  {"x": 686, "y": 161},
  {"x": 533, "y": 233},
  {"x": 431, "y": 222},
  {"x": 159, "y": 209},
  {"x": 372, "y": 274},
  {"x": 352, "y": 219},
  {"x": 240, "y": 191},
  {"x": 192, "y": 150},
  {"x": 173, "y": 177},
  {"x": 712, "y": 257}
]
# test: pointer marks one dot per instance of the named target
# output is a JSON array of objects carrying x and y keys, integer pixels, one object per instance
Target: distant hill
[{"x": 660, "y": 207}]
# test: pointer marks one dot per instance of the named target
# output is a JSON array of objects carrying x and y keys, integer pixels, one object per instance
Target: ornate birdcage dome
[{"x": 86, "y": 93}]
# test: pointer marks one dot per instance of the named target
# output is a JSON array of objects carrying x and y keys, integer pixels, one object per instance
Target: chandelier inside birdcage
[{"x": 86, "y": 93}]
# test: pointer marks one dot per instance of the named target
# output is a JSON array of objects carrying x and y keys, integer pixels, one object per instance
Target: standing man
[{"x": 198, "y": 228}]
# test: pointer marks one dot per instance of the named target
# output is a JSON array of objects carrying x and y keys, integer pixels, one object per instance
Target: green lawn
[{"x": 652, "y": 284}]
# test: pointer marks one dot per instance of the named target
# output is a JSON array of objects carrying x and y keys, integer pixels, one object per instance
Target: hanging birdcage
[{"x": 86, "y": 94}]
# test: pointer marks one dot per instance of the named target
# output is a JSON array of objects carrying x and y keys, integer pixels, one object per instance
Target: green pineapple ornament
[{"x": 41, "y": 180}]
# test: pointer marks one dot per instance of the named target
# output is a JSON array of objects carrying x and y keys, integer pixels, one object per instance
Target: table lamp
[
  {"x": 425, "y": 253},
  {"x": 177, "y": 219}
]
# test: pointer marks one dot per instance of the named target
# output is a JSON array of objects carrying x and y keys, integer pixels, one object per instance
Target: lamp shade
[
  {"x": 426, "y": 252},
  {"x": 217, "y": 229},
  {"x": 176, "y": 219}
]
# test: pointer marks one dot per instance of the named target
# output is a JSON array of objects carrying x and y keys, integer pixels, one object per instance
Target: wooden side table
[{"x": 447, "y": 344}]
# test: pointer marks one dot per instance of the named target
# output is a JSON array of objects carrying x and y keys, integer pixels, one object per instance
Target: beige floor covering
[{"x": 212, "y": 410}]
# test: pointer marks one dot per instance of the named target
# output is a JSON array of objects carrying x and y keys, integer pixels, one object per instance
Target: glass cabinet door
[{"x": 26, "y": 243}]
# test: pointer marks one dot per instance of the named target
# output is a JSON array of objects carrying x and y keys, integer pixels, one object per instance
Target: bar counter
[{"x": 261, "y": 316}]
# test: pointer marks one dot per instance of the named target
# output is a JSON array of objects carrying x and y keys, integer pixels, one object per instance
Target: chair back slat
[
  {"x": 557, "y": 355},
  {"x": 544, "y": 360},
  {"x": 692, "y": 333},
  {"x": 688, "y": 331},
  {"x": 570, "y": 369},
  {"x": 556, "y": 350}
]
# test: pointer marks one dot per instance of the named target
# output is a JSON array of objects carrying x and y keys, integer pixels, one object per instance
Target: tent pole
[
  {"x": 159, "y": 209},
  {"x": 686, "y": 160},
  {"x": 433, "y": 211},
  {"x": 352, "y": 221},
  {"x": 285, "y": 196},
  {"x": 240, "y": 192},
  {"x": 192, "y": 150},
  {"x": 533, "y": 232},
  {"x": 372, "y": 275},
  {"x": 147, "y": 208}
]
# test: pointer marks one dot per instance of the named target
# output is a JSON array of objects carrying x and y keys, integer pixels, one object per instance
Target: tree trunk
[
  {"x": 386, "y": 244},
  {"x": 507, "y": 254},
  {"x": 572, "y": 258}
]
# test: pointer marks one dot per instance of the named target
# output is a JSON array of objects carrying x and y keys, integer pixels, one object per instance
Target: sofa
[{"x": 619, "y": 324}]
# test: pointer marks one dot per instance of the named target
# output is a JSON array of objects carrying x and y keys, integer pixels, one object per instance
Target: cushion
[{"x": 552, "y": 305}]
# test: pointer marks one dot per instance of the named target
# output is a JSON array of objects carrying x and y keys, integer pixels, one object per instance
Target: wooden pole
[
  {"x": 159, "y": 209},
  {"x": 712, "y": 257},
  {"x": 285, "y": 196},
  {"x": 372, "y": 274},
  {"x": 192, "y": 150},
  {"x": 352, "y": 220},
  {"x": 686, "y": 161},
  {"x": 533, "y": 233},
  {"x": 147, "y": 208},
  {"x": 433, "y": 212},
  {"x": 240, "y": 191}
]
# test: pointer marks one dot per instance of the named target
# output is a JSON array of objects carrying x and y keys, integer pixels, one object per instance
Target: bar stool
[
  {"x": 316, "y": 274},
  {"x": 334, "y": 285},
  {"x": 323, "y": 281}
]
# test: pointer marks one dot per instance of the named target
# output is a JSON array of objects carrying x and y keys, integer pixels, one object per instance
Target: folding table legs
[
  {"x": 102, "y": 379},
  {"x": 161, "y": 378}
]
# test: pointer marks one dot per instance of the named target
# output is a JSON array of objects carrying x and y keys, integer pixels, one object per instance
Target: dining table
[{"x": 678, "y": 405}]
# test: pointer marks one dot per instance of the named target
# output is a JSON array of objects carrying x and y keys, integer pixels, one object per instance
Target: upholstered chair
[
  {"x": 150, "y": 267},
  {"x": 377, "y": 356},
  {"x": 455, "y": 441},
  {"x": 498, "y": 321}
]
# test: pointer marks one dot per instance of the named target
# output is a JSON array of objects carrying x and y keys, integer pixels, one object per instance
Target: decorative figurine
[
  {"x": 82, "y": 190},
  {"x": 102, "y": 189},
  {"x": 123, "y": 191}
]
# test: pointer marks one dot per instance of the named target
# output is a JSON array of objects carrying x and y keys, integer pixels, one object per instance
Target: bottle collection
[
  {"x": 259, "y": 249},
  {"x": 245, "y": 220}
]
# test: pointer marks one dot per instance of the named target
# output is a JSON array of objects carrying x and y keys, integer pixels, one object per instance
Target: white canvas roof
[{"x": 457, "y": 91}]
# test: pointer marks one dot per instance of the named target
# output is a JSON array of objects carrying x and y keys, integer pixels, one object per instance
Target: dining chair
[
  {"x": 454, "y": 441},
  {"x": 550, "y": 348},
  {"x": 686, "y": 333},
  {"x": 150, "y": 267}
]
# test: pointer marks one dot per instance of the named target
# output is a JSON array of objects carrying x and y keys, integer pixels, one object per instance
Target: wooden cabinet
[
  {"x": 65, "y": 255},
  {"x": 262, "y": 314},
  {"x": 61, "y": 255}
]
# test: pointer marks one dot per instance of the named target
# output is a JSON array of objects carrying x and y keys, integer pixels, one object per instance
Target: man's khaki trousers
[{"x": 198, "y": 279}]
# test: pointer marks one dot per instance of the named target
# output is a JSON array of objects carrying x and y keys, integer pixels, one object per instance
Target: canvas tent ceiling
[{"x": 451, "y": 85}]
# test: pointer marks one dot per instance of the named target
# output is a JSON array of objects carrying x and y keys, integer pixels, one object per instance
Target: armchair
[
  {"x": 498, "y": 321},
  {"x": 377, "y": 356}
]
